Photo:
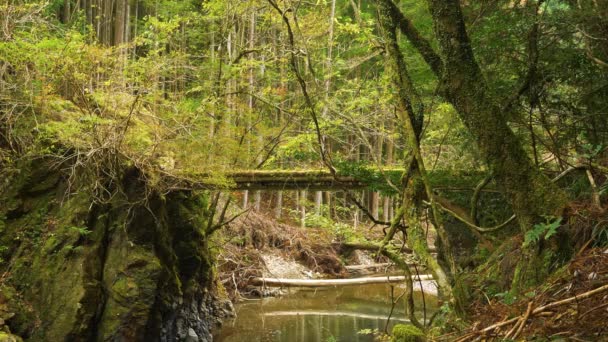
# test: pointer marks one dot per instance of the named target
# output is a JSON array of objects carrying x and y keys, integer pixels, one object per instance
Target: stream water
[{"x": 326, "y": 314}]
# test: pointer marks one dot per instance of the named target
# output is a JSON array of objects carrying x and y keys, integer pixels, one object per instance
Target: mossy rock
[
  {"x": 407, "y": 333},
  {"x": 8, "y": 337},
  {"x": 109, "y": 271}
]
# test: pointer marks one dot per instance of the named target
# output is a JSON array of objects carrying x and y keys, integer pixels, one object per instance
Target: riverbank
[{"x": 254, "y": 246}]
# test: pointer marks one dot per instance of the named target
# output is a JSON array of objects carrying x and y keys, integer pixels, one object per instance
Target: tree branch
[{"x": 421, "y": 44}]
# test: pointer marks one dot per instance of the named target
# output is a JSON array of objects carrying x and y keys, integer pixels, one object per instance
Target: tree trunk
[
  {"x": 279, "y": 205},
  {"x": 119, "y": 22},
  {"x": 88, "y": 10},
  {"x": 257, "y": 200},
  {"x": 318, "y": 202},
  {"x": 410, "y": 112},
  {"x": 303, "y": 208},
  {"x": 107, "y": 21},
  {"x": 375, "y": 204},
  {"x": 66, "y": 11},
  {"x": 530, "y": 194},
  {"x": 329, "y": 204},
  {"x": 245, "y": 199},
  {"x": 386, "y": 204}
]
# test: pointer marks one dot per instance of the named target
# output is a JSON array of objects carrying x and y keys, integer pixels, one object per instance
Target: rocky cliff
[{"x": 133, "y": 264}]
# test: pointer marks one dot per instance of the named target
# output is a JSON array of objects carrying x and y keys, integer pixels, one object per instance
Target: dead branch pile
[
  {"x": 572, "y": 306},
  {"x": 252, "y": 233}
]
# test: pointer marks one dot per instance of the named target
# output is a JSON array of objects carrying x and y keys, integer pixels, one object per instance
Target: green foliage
[
  {"x": 366, "y": 331},
  {"x": 340, "y": 230},
  {"x": 507, "y": 297},
  {"x": 600, "y": 234},
  {"x": 81, "y": 231},
  {"x": 603, "y": 190},
  {"x": 590, "y": 151},
  {"x": 3, "y": 250},
  {"x": 407, "y": 333},
  {"x": 542, "y": 230},
  {"x": 377, "y": 180}
]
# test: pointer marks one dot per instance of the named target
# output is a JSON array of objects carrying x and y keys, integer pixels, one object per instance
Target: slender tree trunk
[
  {"x": 66, "y": 11},
  {"x": 410, "y": 111},
  {"x": 107, "y": 21},
  {"x": 96, "y": 13},
  {"x": 119, "y": 22},
  {"x": 303, "y": 208},
  {"x": 318, "y": 202},
  {"x": 88, "y": 10},
  {"x": 135, "y": 21},
  {"x": 127, "y": 36},
  {"x": 330, "y": 45},
  {"x": 245, "y": 199},
  {"x": 279, "y": 205},
  {"x": 257, "y": 200},
  {"x": 390, "y": 150},
  {"x": 329, "y": 204},
  {"x": 385, "y": 209}
]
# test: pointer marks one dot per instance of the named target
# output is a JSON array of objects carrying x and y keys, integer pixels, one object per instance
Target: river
[{"x": 346, "y": 313}]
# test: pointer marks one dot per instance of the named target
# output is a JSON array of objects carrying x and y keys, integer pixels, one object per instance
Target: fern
[{"x": 547, "y": 229}]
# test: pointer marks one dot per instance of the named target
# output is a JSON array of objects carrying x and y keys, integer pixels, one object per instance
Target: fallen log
[
  {"x": 354, "y": 268},
  {"x": 366, "y": 267},
  {"x": 284, "y": 282},
  {"x": 332, "y": 313},
  {"x": 372, "y": 247}
]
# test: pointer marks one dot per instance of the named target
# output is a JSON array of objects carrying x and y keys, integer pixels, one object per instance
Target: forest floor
[{"x": 572, "y": 305}]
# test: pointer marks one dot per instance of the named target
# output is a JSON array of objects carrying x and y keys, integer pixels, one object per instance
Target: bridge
[{"x": 315, "y": 180}]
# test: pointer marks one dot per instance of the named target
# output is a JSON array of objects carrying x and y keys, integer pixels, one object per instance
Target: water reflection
[{"x": 329, "y": 314}]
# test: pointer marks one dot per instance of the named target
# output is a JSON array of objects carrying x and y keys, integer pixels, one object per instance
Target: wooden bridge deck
[{"x": 298, "y": 180}]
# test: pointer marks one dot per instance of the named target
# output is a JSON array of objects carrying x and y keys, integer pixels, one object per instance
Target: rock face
[{"x": 136, "y": 267}]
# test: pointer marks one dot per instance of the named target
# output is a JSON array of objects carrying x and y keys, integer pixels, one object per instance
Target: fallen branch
[
  {"x": 471, "y": 224},
  {"x": 596, "y": 193},
  {"x": 372, "y": 247},
  {"x": 518, "y": 327},
  {"x": 529, "y": 313},
  {"x": 523, "y": 321},
  {"x": 284, "y": 282},
  {"x": 366, "y": 267}
]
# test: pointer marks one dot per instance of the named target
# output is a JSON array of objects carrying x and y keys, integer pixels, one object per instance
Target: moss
[
  {"x": 8, "y": 337},
  {"x": 496, "y": 274},
  {"x": 407, "y": 333},
  {"x": 133, "y": 270},
  {"x": 131, "y": 275},
  {"x": 14, "y": 311}
]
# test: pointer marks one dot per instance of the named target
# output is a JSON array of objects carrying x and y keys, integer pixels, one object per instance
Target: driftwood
[
  {"x": 284, "y": 282},
  {"x": 331, "y": 313},
  {"x": 355, "y": 268},
  {"x": 367, "y": 267},
  {"x": 371, "y": 247}
]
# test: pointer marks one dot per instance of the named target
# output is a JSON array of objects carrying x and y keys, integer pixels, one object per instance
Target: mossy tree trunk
[
  {"x": 530, "y": 194},
  {"x": 417, "y": 187}
]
